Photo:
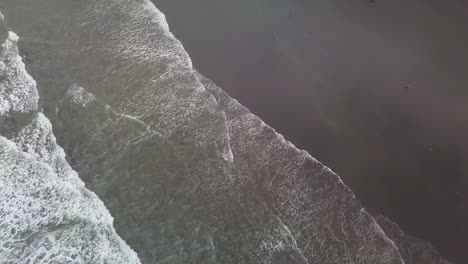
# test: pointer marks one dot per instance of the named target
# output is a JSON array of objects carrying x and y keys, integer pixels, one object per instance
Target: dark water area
[{"x": 376, "y": 90}]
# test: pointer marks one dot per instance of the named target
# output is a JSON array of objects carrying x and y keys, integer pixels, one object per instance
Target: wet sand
[{"x": 376, "y": 91}]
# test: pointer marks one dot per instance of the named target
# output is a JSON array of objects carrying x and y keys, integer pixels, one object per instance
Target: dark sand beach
[{"x": 376, "y": 90}]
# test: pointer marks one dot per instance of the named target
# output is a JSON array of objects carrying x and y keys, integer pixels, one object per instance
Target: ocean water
[
  {"x": 188, "y": 174},
  {"x": 46, "y": 213}
]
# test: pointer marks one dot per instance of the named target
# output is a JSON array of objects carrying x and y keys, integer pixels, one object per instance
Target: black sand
[{"x": 377, "y": 90}]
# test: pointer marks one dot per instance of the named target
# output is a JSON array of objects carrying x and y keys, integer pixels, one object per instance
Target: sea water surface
[{"x": 189, "y": 174}]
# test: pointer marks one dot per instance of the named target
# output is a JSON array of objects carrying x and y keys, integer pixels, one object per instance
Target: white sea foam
[
  {"x": 80, "y": 96},
  {"x": 13, "y": 72},
  {"x": 46, "y": 213}
]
